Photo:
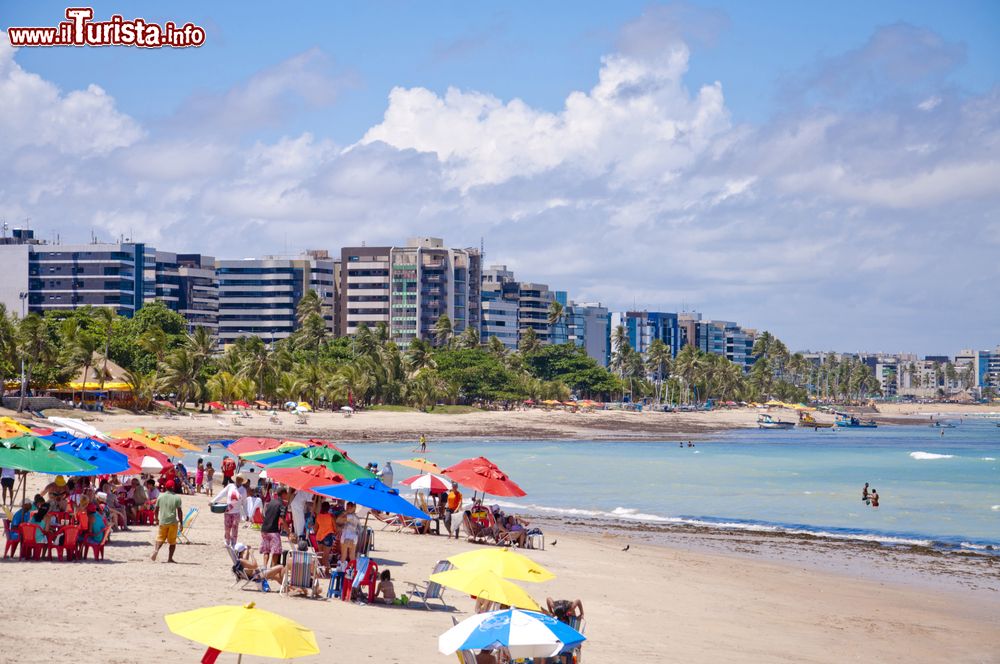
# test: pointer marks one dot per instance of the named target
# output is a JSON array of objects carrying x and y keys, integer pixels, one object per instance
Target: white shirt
[
  {"x": 6, "y": 472},
  {"x": 298, "y": 509}
]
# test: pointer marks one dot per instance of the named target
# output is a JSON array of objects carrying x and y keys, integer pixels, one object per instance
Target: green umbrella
[
  {"x": 324, "y": 456},
  {"x": 38, "y": 455}
]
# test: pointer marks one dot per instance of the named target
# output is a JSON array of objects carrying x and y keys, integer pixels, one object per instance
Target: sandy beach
[{"x": 651, "y": 603}]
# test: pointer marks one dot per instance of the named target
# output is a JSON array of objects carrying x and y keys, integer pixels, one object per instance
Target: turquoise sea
[{"x": 935, "y": 490}]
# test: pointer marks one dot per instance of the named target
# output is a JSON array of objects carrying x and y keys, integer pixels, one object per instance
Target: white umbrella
[
  {"x": 150, "y": 465},
  {"x": 427, "y": 482},
  {"x": 523, "y": 633},
  {"x": 301, "y": 411},
  {"x": 347, "y": 409},
  {"x": 79, "y": 426}
]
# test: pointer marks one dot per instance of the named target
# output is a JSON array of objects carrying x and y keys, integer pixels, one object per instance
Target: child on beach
[
  {"x": 199, "y": 477},
  {"x": 209, "y": 476},
  {"x": 385, "y": 593}
]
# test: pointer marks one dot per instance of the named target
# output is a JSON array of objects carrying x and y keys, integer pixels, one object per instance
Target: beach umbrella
[
  {"x": 286, "y": 446},
  {"x": 372, "y": 494},
  {"x": 165, "y": 404},
  {"x": 79, "y": 426},
  {"x": 291, "y": 404},
  {"x": 252, "y": 444},
  {"x": 423, "y": 465},
  {"x": 486, "y": 584},
  {"x": 181, "y": 443},
  {"x": 525, "y": 634},
  {"x": 106, "y": 461},
  {"x": 11, "y": 428},
  {"x": 245, "y": 630},
  {"x": 483, "y": 475},
  {"x": 38, "y": 455},
  {"x": 222, "y": 442},
  {"x": 241, "y": 403},
  {"x": 300, "y": 410},
  {"x": 216, "y": 405},
  {"x": 141, "y": 457},
  {"x": 427, "y": 482},
  {"x": 503, "y": 562},
  {"x": 142, "y": 436},
  {"x": 325, "y": 456},
  {"x": 262, "y": 404},
  {"x": 302, "y": 405},
  {"x": 347, "y": 409},
  {"x": 304, "y": 478}
]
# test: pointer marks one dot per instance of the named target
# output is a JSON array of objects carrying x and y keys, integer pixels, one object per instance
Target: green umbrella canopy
[
  {"x": 38, "y": 455},
  {"x": 324, "y": 456}
]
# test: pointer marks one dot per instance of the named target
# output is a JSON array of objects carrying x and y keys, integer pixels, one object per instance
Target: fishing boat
[
  {"x": 808, "y": 421},
  {"x": 851, "y": 422},
  {"x": 765, "y": 421}
]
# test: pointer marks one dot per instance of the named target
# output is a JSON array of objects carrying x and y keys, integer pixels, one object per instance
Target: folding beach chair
[
  {"x": 429, "y": 590},
  {"x": 480, "y": 525},
  {"x": 242, "y": 576},
  {"x": 366, "y": 541},
  {"x": 188, "y": 521},
  {"x": 301, "y": 573}
]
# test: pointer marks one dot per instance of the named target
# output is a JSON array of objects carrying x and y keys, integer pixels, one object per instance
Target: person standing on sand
[
  {"x": 270, "y": 529},
  {"x": 228, "y": 470},
  {"x": 168, "y": 508},
  {"x": 453, "y": 505}
]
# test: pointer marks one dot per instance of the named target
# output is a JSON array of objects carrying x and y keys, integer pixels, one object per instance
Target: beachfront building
[
  {"x": 737, "y": 343},
  {"x": 533, "y": 302},
  {"x": 642, "y": 327},
  {"x": 259, "y": 296},
  {"x": 589, "y": 327},
  {"x": 41, "y": 277},
  {"x": 409, "y": 288},
  {"x": 189, "y": 285},
  {"x": 500, "y": 294}
]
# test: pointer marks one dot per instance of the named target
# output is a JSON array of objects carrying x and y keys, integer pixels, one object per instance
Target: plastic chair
[
  {"x": 360, "y": 573},
  {"x": 30, "y": 549},
  {"x": 96, "y": 549},
  {"x": 10, "y": 547},
  {"x": 70, "y": 544}
]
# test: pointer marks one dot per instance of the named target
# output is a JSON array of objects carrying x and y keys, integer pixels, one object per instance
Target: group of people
[
  {"x": 869, "y": 497},
  {"x": 64, "y": 504}
]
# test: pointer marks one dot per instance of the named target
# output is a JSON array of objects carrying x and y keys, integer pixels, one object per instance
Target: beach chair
[
  {"x": 30, "y": 549},
  {"x": 96, "y": 549},
  {"x": 363, "y": 573},
  {"x": 301, "y": 573},
  {"x": 188, "y": 521},
  {"x": 242, "y": 576},
  {"x": 301, "y": 419},
  {"x": 429, "y": 590},
  {"x": 394, "y": 521},
  {"x": 580, "y": 625},
  {"x": 480, "y": 525},
  {"x": 366, "y": 541}
]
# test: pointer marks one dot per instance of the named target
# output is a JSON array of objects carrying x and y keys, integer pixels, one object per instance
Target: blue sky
[{"x": 794, "y": 166}]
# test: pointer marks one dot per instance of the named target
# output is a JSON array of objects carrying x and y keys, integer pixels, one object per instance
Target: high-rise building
[
  {"x": 642, "y": 327},
  {"x": 589, "y": 327},
  {"x": 500, "y": 294},
  {"x": 68, "y": 276},
  {"x": 409, "y": 288},
  {"x": 737, "y": 343},
  {"x": 259, "y": 296},
  {"x": 533, "y": 302},
  {"x": 189, "y": 285}
]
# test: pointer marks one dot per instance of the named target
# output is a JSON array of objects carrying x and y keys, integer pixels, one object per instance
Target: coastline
[{"x": 725, "y": 605}]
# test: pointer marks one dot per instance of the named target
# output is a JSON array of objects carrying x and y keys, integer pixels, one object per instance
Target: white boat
[{"x": 765, "y": 421}]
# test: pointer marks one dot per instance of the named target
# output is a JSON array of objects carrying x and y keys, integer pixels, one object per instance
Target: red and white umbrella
[{"x": 427, "y": 482}]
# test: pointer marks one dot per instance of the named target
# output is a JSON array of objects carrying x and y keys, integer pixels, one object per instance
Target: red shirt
[{"x": 228, "y": 467}]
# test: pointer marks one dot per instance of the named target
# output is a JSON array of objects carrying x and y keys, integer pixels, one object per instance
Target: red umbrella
[
  {"x": 216, "y": 405},
  {"x": 253, "y": 444},
  {"x": 483, "y": 475},
  {"x": 141, "y": 457},
  {"x": 241, "y": 404},
  {"x": 304, "y": 477}
]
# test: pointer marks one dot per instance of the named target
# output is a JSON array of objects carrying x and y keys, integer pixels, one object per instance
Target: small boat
[
  {"x": 945, "y": 425},
  {"x": 767, "y": 422},
  {"x": 810, "y": 422},
  {"x": 851, "y": 422}
]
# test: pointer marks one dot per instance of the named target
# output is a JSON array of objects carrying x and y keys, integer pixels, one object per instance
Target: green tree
[
  {"x": 36, "y": 348},
  {"x": 658, "y": 361},
  {"x": 443, "y": 331},
  {"x": 528, "y": 342}
]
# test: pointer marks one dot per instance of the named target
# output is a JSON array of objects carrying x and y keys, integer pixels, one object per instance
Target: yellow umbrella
[
  {"x": 182, "y": 443},
  {"x": 291, "y": 446},
  {"x": 150, "y": 441},
  {"x": 245, "y": 630},
  {"x": 487, "y": 585},
  {"x": 304, "y": 406},
  {"x": 423, "y": 465},
  {"x": 502, "y": 562}
]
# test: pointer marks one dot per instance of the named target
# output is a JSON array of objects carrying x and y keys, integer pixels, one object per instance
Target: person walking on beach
[
  {"x": 7, "y": 482},
  {"x": 453, "y": 505},
  {"x": 209, "y": 478},
  {"x": 168, "y": 508}
]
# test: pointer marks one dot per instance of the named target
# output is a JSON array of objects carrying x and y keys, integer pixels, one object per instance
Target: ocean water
[{"x": 935, "y": 490}]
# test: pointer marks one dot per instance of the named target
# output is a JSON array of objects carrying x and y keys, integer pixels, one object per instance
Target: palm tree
[
  {"x": 658, "y": 360},
  {"x": 419, "y": 356},
  {"x": 620, "y": 348},
  {"x": 143, "y": 387},
  {"x": 154, "y": 341},
  {"x": 36, "y": 349},
  {"x": 201, "y": 343},
  {"x": 179, "y": 374},
  {"x": 81, "y": 353},
  {"x": 469, "y": 338},
  {"x": 105, "y": 317},
  {"x": 289, "y": 387},
  {"x": 496, "y": 347},
  {"x": 443, "y": 331},
  {"x": 8, "y": 344},
  {"x": 529, "y": 341}
]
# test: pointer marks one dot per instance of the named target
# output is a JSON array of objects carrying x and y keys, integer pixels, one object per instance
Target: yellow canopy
[
  {"x": 422, "y": 465},
  {"x": 487, "y": 585},
  {"x": 246, "y": 630},
  {"x": 502, "y": 562},
  {"x": 154, "y": 442},
  {"x": 11, "y": 428},
  {"x": 182, "y": 443},
  {"x": 304, "y": 406}
]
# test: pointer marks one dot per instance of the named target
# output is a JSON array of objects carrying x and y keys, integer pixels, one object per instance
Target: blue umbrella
[
  {"x": 273, "y": 458},
  {"x": 523, "y": 633},
  {"x": 373, "y": 495},
  {"x": 224, "y": 442},
  {"x": 106, "y": 460}
]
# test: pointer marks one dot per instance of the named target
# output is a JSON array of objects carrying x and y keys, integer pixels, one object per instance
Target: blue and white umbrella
[{"x": 523, "y": 633}]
